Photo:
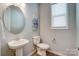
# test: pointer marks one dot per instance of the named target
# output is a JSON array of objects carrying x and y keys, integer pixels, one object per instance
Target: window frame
[{"x": 66, "y": 15}]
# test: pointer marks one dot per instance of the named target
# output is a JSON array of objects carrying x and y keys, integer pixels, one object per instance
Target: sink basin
[{"x": 16, "y": 44}]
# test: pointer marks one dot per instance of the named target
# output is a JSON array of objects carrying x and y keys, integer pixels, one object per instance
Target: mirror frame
[{"x": 3, "y": 19}]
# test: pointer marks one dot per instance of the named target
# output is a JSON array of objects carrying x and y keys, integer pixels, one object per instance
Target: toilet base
[{"x": 41, "y": 52}]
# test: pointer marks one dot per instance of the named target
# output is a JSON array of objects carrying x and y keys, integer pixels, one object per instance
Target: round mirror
[{"x": 13, "y": 19}]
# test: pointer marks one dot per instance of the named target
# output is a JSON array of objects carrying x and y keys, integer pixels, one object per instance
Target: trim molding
[
  {"x": 56, "y": 52},
  {"x": 51, "y": 51}
]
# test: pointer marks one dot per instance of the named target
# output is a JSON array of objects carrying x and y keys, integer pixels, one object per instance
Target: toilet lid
[{"x": 43, "y": 46}]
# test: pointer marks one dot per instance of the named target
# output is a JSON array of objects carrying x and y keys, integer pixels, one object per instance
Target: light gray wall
[
  {"x": 0, "y": 37},
  {"x": 65, "y": 38},
  {"x": 77, "y": 24},
  {"x": 0, "y": 31},
  {"x": 27, "y": 32},
  {"x": 35, "y": 13}
]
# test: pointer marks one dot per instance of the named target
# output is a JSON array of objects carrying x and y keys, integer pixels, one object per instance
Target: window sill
[{"x": 59, "y": 28}]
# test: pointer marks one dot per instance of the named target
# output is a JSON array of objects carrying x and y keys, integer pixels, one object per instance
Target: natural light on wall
[
  {"x": 22, "y": 5},
  {"x": 59, "y": 16}
]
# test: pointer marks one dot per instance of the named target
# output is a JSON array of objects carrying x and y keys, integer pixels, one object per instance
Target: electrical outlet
[{"x": 54, "y": 40}]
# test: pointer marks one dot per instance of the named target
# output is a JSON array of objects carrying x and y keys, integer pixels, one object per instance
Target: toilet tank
[{"x": 36, "y": 40}]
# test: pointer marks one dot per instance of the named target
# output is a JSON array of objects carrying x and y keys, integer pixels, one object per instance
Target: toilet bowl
[{"x": 41, "y": 47}]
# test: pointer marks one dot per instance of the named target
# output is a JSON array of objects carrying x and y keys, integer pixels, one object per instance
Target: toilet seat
[{"x": 43, "y": 46}]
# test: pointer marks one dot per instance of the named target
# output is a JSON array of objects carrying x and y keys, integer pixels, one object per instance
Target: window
[{"x": 59, "y": 16}]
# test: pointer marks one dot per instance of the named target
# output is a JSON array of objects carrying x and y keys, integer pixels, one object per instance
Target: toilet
[{"x": 41, "y": 47}]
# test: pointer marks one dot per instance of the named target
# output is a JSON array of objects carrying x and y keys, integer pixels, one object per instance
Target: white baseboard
[
  {"x": 56, "y": 52},
  {"x": 51, "y": 51}
]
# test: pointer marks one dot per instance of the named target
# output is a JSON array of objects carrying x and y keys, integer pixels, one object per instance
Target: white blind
[{"x": 59, "y": 15}]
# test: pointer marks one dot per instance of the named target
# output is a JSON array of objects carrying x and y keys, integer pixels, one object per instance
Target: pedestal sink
[{"x": 18, "y": 45}]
